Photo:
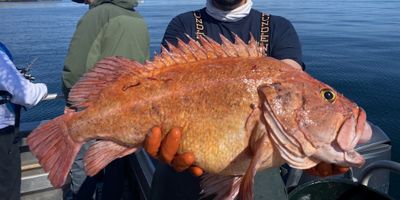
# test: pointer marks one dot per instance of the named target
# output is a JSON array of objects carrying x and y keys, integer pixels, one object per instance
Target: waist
[
  {"x": 7, "y": 130},
  {"x": 7, "y": 116}
]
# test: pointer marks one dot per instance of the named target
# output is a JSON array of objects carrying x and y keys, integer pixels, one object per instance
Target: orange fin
[
  {"x": 246, "y": 187},
  {"x": 111, "y": 69},
  {"x": 102, "y": 153},
  {"x": 54, "y": 148},
  {"x": 103, "y": 73},
  {"x": 219, "y": 186}
]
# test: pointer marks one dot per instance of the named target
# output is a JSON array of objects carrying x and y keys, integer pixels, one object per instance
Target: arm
[
  {"x": 293, "y": 63},
  {"x": 285, "y": 44},
  {"x": 22, "y": 90}
]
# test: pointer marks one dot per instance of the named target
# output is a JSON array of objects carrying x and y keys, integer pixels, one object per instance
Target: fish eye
[{"x": 328, "y": 95}]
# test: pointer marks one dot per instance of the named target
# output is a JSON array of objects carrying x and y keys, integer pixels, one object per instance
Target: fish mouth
[
  {"x": 300, "y": 153},
  {"x": 333, "y": 154},
  {"x": 355, "y": 130}
]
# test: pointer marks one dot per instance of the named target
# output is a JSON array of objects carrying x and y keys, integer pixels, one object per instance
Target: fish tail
[{"x": 52, "y": 144}]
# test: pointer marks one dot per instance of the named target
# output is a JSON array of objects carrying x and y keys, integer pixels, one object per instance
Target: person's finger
[
  {"x": 340, "y": 169},
  {"x": 196, "y": 171},
  {"x": 153, "y": 141},
  {"x": 324, "y": 169},
  {"x": 170, "y": 145},
  {"x": 312, "y": 171},
  {"x": 68, "y": 110},
  {"x": 183, "y": 161}
]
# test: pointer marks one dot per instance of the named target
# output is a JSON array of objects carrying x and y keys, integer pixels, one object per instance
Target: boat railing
[{"x": 376, "y": 166}]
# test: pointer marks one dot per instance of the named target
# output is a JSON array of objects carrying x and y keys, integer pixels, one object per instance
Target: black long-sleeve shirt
[{"x": 284, "y": 42}]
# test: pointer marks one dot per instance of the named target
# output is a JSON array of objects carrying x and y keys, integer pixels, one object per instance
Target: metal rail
[
  {"x": 378, "y": 165},
  {"x": 53, "y": 96}
]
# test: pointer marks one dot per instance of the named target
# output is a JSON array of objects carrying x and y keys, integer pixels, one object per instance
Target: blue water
[{"x": 353, "y": 46}]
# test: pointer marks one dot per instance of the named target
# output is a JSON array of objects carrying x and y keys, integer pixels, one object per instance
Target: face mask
[{"x": 228, "y": 15}]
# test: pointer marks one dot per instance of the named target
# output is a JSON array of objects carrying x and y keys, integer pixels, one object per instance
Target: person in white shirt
[{"x": 15, "y": 90}]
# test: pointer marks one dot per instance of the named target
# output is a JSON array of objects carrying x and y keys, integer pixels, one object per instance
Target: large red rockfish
[{"x": 239, "y": 111}]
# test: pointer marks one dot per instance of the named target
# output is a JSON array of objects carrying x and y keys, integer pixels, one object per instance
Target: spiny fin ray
[{"x": 111, "y": 69}]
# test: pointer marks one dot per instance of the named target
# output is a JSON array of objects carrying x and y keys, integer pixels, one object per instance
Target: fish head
[{"x": 311, "y": 122}]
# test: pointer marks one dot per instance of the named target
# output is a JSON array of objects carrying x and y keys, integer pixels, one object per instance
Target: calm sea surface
[{"x": 353, "y": 46}]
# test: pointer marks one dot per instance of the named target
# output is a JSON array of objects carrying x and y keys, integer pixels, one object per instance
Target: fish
[{"x": 240, "y": 112}]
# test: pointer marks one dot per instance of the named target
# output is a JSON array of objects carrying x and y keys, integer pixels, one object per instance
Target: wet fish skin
[{"x": 240, "y": 112}]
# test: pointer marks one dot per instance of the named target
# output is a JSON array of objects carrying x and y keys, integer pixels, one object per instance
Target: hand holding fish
[
  {"x": 324, "y": 169},
  {"x": 167, "y": 150}
]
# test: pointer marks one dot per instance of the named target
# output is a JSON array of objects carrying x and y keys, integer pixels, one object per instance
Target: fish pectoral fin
[
  {"x": 102, "y": 153},
  {"x": 247, "y": 183},
  {"x": 220, "y": 186}
]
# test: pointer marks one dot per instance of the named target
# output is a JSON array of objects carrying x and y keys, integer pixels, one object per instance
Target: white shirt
[{"x": 24, "y": 92}]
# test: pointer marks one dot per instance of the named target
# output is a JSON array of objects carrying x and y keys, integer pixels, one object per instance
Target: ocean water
[{"x": 353, "y": 46}]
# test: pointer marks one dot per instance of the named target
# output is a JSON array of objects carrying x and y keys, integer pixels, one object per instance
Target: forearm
[
  {"x": 23, "y": 92},
  {"x": 30, "y": 94},
  {"x": 292, "y": 63}
]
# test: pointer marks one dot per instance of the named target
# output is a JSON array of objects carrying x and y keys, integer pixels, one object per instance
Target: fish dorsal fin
[
  {"x": 100, "y": 76},
  {"x": 111, "y": 69},
  {"x": 209, "y": 49}
]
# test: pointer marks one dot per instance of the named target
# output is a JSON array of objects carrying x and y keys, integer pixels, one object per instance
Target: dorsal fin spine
[
  {"x": 177, "y": 54},
  {"x": 210, "y": 52},
  {"x": 113, "y": 68},
  {"x": 187, "y": 50},
  {"x": 241, "y": 47},
  {"x": 217, "y": 48},
  {"x": 228, "y": 47},
  {"x": 197, "y": 50}
]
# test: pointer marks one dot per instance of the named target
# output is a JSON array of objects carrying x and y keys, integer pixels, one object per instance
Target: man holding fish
[
  {"x": 225, "y": 17},
  {"x": 239, "y": 111}
]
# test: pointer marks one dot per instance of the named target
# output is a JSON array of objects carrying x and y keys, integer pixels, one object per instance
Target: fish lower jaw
[
  {"x": 344, "y": 158},
  {"x": 354, "y": 159}
]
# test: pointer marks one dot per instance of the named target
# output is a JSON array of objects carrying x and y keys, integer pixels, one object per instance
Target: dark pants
[
  {"x": 10, "y": 167},
  {"x": 112, "y": 183},
  {"x": 170, "y": 185}
]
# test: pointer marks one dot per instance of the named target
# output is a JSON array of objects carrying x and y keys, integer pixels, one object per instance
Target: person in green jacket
[{"x": 109, "y": 28}]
